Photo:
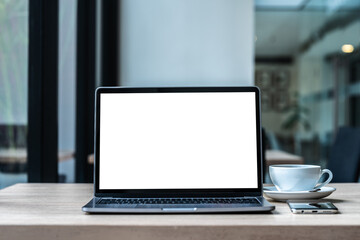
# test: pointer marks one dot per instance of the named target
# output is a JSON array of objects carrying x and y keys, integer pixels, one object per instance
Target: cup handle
[{"x": 320, "y": 185}]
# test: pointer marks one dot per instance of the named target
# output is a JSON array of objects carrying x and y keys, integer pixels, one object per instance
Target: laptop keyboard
[{"x": 191, "y": 201}]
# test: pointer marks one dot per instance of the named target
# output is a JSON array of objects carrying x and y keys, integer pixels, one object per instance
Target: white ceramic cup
[{"x": 298, "y": 177}]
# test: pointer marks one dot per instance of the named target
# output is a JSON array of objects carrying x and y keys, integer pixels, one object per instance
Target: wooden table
[
  {"x": 280, "y": 157},
  {"x": 53, "y": 211},
  {"x": 19, "y": 156}
]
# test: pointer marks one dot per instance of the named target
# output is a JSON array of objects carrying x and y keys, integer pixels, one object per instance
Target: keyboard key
[{"x": 179, "y": 201}]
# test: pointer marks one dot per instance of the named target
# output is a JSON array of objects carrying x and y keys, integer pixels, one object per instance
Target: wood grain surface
[{"x": 53, "y": 211}]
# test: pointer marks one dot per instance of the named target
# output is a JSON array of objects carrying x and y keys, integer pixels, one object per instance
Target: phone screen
[{"x": 312, "y": 206}]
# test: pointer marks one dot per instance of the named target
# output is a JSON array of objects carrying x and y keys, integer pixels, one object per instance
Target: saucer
[{"x": 273, "y": 193}]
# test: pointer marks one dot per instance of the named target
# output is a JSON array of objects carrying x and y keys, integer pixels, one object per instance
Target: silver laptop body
[{"x": 177, "y": 150}]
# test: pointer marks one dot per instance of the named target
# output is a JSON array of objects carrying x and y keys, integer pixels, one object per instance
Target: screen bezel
[{"x": 175, "y": 192}]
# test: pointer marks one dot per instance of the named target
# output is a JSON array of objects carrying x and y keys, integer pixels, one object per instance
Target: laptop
[{"x": 177, "y": 150}]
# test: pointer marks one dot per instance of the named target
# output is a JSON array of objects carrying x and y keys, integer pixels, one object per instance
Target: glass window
[
  {"x": 13, "y": 91},
  {"x": 67, "y": 89},
  {"x": 307, "y": 66}
]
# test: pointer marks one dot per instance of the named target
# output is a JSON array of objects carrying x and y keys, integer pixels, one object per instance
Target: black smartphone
[{"x": 312, "y": 207}]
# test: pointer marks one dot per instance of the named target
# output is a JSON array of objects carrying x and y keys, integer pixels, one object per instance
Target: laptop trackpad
[{"x": 179, "y": 209}]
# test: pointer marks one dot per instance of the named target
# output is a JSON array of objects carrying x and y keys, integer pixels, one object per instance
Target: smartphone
[{"x": 312, "y": 207}]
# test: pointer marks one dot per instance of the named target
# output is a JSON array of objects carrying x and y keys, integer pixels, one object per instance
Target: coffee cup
[{"x": 298, "y": 177}]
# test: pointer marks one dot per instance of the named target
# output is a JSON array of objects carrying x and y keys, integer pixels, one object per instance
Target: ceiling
[
  {"x": 282, "y": 26},
  {"x": 298, "y": 5}
]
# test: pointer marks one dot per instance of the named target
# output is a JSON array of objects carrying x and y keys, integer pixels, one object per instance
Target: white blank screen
[{"x": 177, "y": 140}]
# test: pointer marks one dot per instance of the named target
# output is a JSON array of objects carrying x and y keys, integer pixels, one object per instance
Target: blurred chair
[
  {"x": 344, "y": 159},
  {"x": 272, "y": 141}
]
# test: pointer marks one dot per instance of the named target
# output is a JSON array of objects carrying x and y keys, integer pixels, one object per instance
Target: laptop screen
[{"x": 178, "y": 140}]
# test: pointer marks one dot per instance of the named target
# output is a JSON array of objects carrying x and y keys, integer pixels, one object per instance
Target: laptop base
[{"x": 94, "y": 207}]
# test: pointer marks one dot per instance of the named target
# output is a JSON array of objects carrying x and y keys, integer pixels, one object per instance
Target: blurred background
[{"x": 303, "y": 54}]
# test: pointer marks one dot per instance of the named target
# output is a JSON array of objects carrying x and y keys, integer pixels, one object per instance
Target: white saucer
[{"x": 273, "y": 193}]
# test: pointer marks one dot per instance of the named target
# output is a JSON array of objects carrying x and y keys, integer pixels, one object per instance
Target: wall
[{"x": 187, "y": 42}]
